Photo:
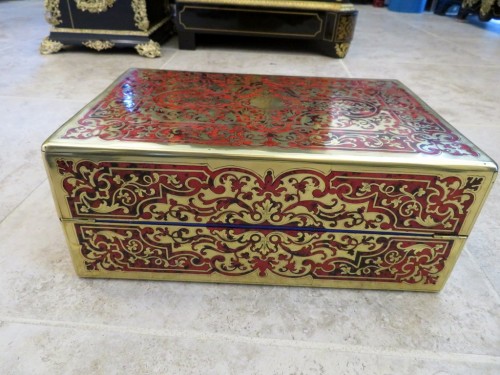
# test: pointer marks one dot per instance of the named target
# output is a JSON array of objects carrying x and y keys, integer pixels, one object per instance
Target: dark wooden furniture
[
  {"x": 103, "y": 24},
  {"x": 329, "y": 25},
  {"x": 485, "y": 9}
]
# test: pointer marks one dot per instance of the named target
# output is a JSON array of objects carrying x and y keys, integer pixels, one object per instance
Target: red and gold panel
[
  {"x": 265, "y": 179},
  {"x": 288, "y": 113},
  {"x": 301, "y": 197},
  {"x": 259, "y": 254}
]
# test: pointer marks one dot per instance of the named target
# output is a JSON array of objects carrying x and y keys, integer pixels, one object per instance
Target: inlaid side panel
[
  {"x": 296, "y": 198},
  {"x": 261, "y": 256}
]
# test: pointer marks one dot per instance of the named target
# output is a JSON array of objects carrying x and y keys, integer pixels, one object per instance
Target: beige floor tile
[
  {"x": 26, "y": 123},
  {"x": 216, "y": 59},
  {"x": 118, "y": 350}
]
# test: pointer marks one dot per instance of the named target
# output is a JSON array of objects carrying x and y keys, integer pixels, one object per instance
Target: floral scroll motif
[
  {"x": 237, "y": 252},
  {"x": 94, "y": 6},
  {"x": 149, "y": 49},
  {"x": 99, "y": 45},
  {"x": 293, "y": 113},
  {"x": 301, "y": 198},
  {"x": 49, "y": 46},
  {"x": 53, "y": 13},
  {"x": 140, "y": 14}
]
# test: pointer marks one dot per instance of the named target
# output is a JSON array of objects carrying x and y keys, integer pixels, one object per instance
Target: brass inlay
[
  {"x": 341, "y": 49},
  {"x": 95, "y": 252},
  {"x": 249, "y": 31},
  {"x": 49, "y": 46},
  {"x": 111, "y": 32},
  {"x": 98, "y": 45},
  {"x": 94, "y": 6},
  {"x": 345, "y": 29},
  {"x": 287, "y": 4},
  {"x": 53, "y": 13},
  {"x": 140, "y": 14},
  {"x": 150, "y": 49},
  {"x": 485, "y": 5}
]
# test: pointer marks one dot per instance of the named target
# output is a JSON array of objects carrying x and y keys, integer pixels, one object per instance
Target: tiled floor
[{"x": 52, "y": 322}]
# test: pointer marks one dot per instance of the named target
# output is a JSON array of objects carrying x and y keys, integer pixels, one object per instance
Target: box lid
[{"x": 332, "y": 120}]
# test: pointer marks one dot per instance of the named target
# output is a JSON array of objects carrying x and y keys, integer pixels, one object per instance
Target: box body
[{"x": 265, "y": 179}]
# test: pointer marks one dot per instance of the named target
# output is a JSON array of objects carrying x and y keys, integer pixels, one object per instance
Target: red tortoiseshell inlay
[
  {"x": 234, "y": 110},
  {"x": 237, "y": 252},
  {"x": 302, "y": 197}
]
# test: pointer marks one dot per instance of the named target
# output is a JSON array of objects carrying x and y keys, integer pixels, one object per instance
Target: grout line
[
  {"x": 170, "y": 59},
  {"x": 488, "y": 281},
  {"x": 299, "y": 344},
  {"x": 20, "y": 203},
  {"x": 349, "y": 74}
]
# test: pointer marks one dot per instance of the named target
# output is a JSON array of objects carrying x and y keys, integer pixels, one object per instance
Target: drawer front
[
  {"x": 257, "y": 21},
  {"x": 236, "y": 255},
  {"x": 268, "y": 194}
]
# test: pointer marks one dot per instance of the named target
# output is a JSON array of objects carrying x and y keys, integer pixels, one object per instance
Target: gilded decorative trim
[
  {"x": 345, "y": 28},
  {"x": 94, "y": 6},
  {"x": 140, "y": 14},
  {"x": 111, "y": 32},
  {"x": 98, "y": 45},
  {"x": 53, "y": 14},
  {"x": 288, "y": 4},
  {"x": 49, "y": 46},
  {"x": 150, "y": 49},
  {"x": 186, "y": 27},
  {"x": 233, "y": 253},
  {"x": 341, "y": 49},
  {"x": 298, "y": 198},
  {"x": 485, "y": 6}
]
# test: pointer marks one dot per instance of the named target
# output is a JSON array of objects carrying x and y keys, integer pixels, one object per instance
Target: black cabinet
[
  {"x": 329, "y": 25},
  {"x": 103, "y": 24}
]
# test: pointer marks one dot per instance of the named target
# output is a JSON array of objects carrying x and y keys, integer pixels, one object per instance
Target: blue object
[{"x": 407, "y": 6}]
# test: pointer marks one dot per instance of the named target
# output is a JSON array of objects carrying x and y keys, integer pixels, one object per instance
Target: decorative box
[
  {"x": 104, "y": 24},
  {"x": 326, "y": 24},
  {"x": 265, "y": 179}
]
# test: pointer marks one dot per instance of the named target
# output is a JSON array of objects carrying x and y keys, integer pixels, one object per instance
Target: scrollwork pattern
[
  {"x": 99, "y": 45},
  {"x": 140, "y": 14},
  {"x": 53, "y": 13},
  {"x": 238, "y": 252},
  {"x": 267, "y": 111},
  {"x": 94, "y": 6},
  {"x": 303, "y": 198}
]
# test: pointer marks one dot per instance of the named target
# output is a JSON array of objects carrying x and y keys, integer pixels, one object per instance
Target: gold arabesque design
[
  {"x": 49, "y": 46},
  {"x": 341, "y": 49},
  {"x": 345, "y": 28},
  {"x": 150, "y": 49},
  {"x": 287, "y": 4},
  {"x": 111, "y": 32},
  {"x": 301, "y": 198},
  {"x": 126, "y": 217},
  {"x": 140, "y": 14},
  {"x": 94, "y": 6},
  {"x": 288, "y": 254},
  {"x": 485, "y": 7},
  {"x": 99, "y": 45},
  {"x": 53, "y": 13}
]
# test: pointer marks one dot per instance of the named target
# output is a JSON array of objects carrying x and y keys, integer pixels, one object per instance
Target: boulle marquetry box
[
  {"x": 104, "y": 24},
  {"x": 265, "y": 179},
  {"x": 327, "y": 24}
]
